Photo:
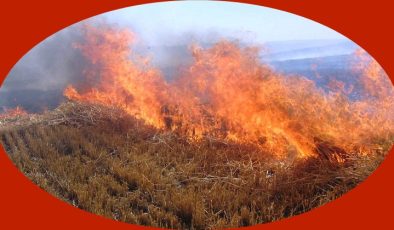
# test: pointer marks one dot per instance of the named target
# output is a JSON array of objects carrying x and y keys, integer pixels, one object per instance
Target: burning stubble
[
  {"x": 220, "y": 139},
  {"x": 223, "y": 140},
  {"x": 227, "y": 93}
]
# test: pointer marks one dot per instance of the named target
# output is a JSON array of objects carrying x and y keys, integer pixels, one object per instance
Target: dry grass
[{"x": 102, "y": 161}]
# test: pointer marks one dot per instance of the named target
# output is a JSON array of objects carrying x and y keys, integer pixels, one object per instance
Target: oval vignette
[{"x": 189, "y": 105}]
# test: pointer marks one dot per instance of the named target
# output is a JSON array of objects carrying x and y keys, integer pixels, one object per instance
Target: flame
[
  {"x": 14, "y": 112},
  {"x": 122, "y": 82},
  {"x": 228, "y": 93}
]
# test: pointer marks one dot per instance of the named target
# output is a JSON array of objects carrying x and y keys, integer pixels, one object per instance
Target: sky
[{"x": 168, "y": 20}]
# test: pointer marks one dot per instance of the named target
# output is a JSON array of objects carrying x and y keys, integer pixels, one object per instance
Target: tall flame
[{"x": 228, "y": 93}]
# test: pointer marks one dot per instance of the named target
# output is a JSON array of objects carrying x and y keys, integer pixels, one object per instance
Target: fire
[
  {"x": 121, "y": 81},
  {"x": 14, "y": 112},
  {"x": 228, "y": 93}
]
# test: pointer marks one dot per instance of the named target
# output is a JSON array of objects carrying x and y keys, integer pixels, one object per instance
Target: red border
[{"x": 24, "y": 24}]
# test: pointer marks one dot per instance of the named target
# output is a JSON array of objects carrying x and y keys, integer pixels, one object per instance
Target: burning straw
[{"x": 228, "y": 94}]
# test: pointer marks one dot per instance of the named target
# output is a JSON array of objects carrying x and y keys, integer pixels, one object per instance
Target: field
[{"x": 103, "y": 161}]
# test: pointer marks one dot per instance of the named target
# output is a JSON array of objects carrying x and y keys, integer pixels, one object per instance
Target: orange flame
[
  {"x": 228, "y": 93},
  {"x": 14, "y": 112}
]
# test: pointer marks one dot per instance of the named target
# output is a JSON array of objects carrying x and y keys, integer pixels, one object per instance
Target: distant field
[{"x": 113, "y": 165}]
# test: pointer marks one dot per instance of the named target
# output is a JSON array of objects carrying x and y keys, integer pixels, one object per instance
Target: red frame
[{"x": 26, "y": 23}]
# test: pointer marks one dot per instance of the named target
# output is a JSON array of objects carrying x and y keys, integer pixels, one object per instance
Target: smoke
[{"x": 36, "y": 82}]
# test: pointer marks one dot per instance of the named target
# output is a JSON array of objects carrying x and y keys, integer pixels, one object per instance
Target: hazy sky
[{"x": 165, "y": 21}]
